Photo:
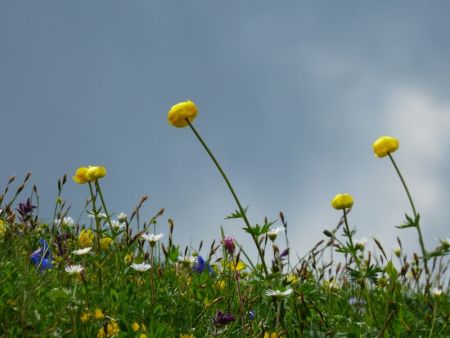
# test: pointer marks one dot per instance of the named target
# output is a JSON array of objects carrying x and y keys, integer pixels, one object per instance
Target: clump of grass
[{"x": 109, "y": 275}]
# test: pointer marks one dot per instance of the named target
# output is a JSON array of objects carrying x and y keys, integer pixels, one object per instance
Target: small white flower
[
  {"x": 82, "y": 251},
  {"x": 273, "y": 233},
  {"x": 152, "y": 238},
  {"x": 360, "y": 243},
  {"x": 187, "y": 260},
  {"x": 100, "y": 215},
  {"x": 141, "y": 267},
  {"x": 68, "y": 221},
  {"x": 122, "y": 217},
  {"x": 117, "y": 224},
  {"x": 445, "y": 242},
  {"x": 436, "y": 292},
  {"x": 278, "y": 293},
  {"x": 74, "y": 269}
]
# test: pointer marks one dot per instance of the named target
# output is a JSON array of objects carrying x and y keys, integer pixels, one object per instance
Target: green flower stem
[
  {"x": 419, "y": 231},
  {"x": 108, "y": 218},
  {"x": 97, "y": 223},
  {"x": 227, "y": 181}
]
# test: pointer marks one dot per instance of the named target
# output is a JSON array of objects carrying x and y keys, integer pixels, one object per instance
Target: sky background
[{"x": 291, "y": 96}]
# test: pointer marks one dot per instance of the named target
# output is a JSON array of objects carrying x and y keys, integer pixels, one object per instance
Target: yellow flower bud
[
  {"x": 86, "y": 238},
  {"x": 385, "y": 145},
  {"x": 105, "y": 242},
  {"x": 180, "y": 112},
  {"x": 95, "y": 172},
  {"x": 342, "y": 201},
  {"x": 80, "y": 176}
]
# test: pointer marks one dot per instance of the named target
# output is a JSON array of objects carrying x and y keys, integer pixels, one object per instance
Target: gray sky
[{"x": 291, "y": 96}]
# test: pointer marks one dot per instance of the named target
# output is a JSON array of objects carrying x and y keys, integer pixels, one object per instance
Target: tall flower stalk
[
  {"x": 236, "y": 198},
  {"x": 181, "y": 115},
  {"x": 385, "y": 146}
]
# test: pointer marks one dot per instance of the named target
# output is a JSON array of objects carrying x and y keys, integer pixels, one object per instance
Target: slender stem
[
  {"x": 230, "y": 187},
  {"x": 97, "y": 186},
  {"x": 97, "y": 223},
  {"x": 419, "y": 231}
]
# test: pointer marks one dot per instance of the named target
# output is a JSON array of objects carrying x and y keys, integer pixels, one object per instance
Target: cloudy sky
[{"x": 291, "y": 96}]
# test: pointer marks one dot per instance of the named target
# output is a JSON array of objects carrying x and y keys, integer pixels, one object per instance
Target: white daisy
[
  {"x": 82, "y": 251},
  {"x": 141, "y": 267},
  {"x": 74, "y": 269},
  {"x": 278, "y": 293}
]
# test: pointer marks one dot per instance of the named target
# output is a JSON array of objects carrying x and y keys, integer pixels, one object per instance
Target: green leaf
[
  {"x": 237, "y": 214},
  {"x": 410, "y": 222}
]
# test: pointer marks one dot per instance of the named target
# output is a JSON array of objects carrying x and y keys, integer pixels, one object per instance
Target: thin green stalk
[
  {"x": 230, "y": 187},
  {"x": 97, "y": 235},
  {"x": 419, "y": 231},
  {"x": 108, "y": 218}
]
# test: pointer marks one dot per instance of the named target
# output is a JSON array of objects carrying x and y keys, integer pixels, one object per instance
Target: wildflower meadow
[{"x": 108, "y": 274}]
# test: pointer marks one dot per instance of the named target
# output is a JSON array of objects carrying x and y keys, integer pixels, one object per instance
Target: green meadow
[{"x": 109, "y": 274}]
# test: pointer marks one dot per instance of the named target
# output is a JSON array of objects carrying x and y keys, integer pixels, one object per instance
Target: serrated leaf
[{"x": 237, "y": 214}]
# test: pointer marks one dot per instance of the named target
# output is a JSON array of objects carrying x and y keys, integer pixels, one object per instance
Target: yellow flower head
[
  {"x": 135, "y": 326},
  {"x": 385, "y": 145},
  {"x": 86, "y": 238},
  {"x": 143, "y": 335},
  {"x": 80, "y": 176},
  {"x": 187, "y": 336},
  {"x": 105, "y": 242},
  {"x": 112, "y": 329},
  {"x": 85, "y": 317},
  {"x": 342, "y": 201},
  {"x": 95, "y": 172},
  {"x": 98, "y": 313},
  {"x": 180, "y": 112},
  {"x": 237, "y": 266}
]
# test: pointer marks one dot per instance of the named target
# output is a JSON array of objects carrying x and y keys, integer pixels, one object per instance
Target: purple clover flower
[{"x": 228, "y": 243}]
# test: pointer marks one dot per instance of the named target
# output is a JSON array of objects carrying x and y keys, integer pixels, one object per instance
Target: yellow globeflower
[
  {"x": 112, "y": 328},
  {"x": 86, "y": 238},
  {"x": 105, "y": 242},
  {"x": 342, "y": 201},
  {"x": 80, "y": 176},
  {"x": 180, "y": 112},
  {"x": 98, "y": 313},
  {"x": 385, "y": 145},
  {"x": 95, "y": 172},
  {"x": 135, "y": 326}
]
